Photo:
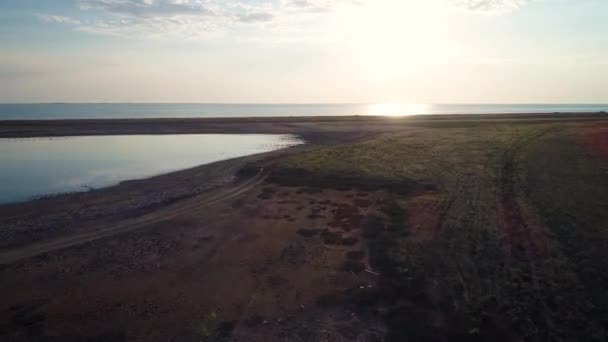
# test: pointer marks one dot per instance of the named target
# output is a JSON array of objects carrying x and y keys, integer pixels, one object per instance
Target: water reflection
[
  {"x": 37, "y": 166},
  {"x": 397, "y": 109}
]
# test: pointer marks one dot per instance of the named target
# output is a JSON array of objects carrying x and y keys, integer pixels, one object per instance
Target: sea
[{"x": 50, "y": 111}]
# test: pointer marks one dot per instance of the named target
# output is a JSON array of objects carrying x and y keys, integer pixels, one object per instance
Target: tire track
[{"x": 166, "y": 213}]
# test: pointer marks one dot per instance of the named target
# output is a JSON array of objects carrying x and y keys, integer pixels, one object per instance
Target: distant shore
[
  {"x": 260, "y": 125},
  {"x": 79, "y": 111}
]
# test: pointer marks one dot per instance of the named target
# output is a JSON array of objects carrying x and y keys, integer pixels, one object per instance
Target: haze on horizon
[{"x": 304, "y": 51}]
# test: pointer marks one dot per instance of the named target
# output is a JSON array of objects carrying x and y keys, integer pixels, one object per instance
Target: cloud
[
  {"x": 150, "y": 8},
  {"x": 58, "y": 19},
  {"x": 318, "y": 6},
  {"x": 309, "y": 5},
  {"x": 206, "y": 18},
  {"x": 490, "y": 6},
  {"x": 171, "y": 18},
  {"x": 255, "y": 17}
]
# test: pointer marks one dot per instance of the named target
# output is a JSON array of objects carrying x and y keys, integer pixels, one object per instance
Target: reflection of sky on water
[{"x": 36, "y": 166}]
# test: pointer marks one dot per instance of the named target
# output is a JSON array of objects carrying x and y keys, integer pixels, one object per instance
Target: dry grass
[{"x": 513, "y": 204}]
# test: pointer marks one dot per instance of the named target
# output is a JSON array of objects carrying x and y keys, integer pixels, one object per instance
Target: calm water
[
  {"x": 109, "y": 111},
  {"x": 31, "y": 167}
]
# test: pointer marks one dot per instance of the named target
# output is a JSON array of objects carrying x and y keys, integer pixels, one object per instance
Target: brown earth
[
  {"x": 174, "y": 258},
  {"x": 597, "y": 140},
  {"x": 241, "y": 268},
  {"x": 228, "y": 251}
]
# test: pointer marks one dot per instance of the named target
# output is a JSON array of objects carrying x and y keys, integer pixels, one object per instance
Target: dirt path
[{"x": 167, "y": 213}]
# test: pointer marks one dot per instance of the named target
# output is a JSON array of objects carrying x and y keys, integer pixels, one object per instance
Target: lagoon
[{"x": 31, "y": 167}]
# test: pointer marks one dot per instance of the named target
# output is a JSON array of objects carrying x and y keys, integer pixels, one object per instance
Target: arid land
[{"x": 443, "y": 228}]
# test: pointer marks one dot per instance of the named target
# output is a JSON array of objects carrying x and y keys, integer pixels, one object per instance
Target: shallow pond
[{"x": 31, "y": 167}]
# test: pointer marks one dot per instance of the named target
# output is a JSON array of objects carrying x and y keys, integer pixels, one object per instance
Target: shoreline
[
  {"x": 134, "y": 169},
  {"x": 168, "y": 187},
  {"x": 142, "y": 179},
  {"x": 124, "y": 200},
  {"x": 259, "y": 125},
  {"x": 312, "y": 233},
  {"x": 51, "y": 217}
]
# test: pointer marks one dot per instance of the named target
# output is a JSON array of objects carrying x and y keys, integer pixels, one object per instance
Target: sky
[{"x": 304, "y": 51}]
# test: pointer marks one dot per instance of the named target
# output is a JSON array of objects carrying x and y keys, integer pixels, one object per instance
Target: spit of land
[{"x": 443, "y": 228}]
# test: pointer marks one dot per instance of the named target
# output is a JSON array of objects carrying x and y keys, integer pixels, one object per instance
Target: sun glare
[
  {"x": 397, "y": 109},
  {"x": 388, "y": 38}
]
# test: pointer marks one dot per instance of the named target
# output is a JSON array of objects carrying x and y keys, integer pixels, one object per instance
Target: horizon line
[{"x": 303, "y": 103}]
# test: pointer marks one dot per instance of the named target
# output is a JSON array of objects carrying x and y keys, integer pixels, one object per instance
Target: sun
[
  {"x": 396, "y": 108},
  {"x": 392, "y": 38}
]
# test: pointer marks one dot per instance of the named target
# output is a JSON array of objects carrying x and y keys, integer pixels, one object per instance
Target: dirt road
[{"x": 163, "y": 214}]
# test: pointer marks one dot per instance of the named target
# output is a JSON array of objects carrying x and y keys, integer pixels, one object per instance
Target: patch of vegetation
[
  {"x": 567, "y": 184},
  {"x": 24, "y": 324},
  {"x": 254, "y": 321},
  {"x": 206, "y": 326},
  {"x": 248, "y": 171},
  {"x": 372, "y": 227},
  {"x": 355, "y": 255},
  {"x": 309, "y": 232},
  {"x": 223, "y": 331},
  {"x": 267, "y": 193},
  {"x": 493, "y": 271},
  {"x": 339, "y": 181},
  {"x": 353, "y": 266},
  {"x": 337, "y": 238}
]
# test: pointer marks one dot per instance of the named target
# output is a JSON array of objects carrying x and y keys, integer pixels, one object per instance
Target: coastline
[
  {"x": 309, "y": 125},
  {"x": 51, "y": 216},
  {"x": 131, "y": 198},
  {"x": 303, "y": 234}
]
